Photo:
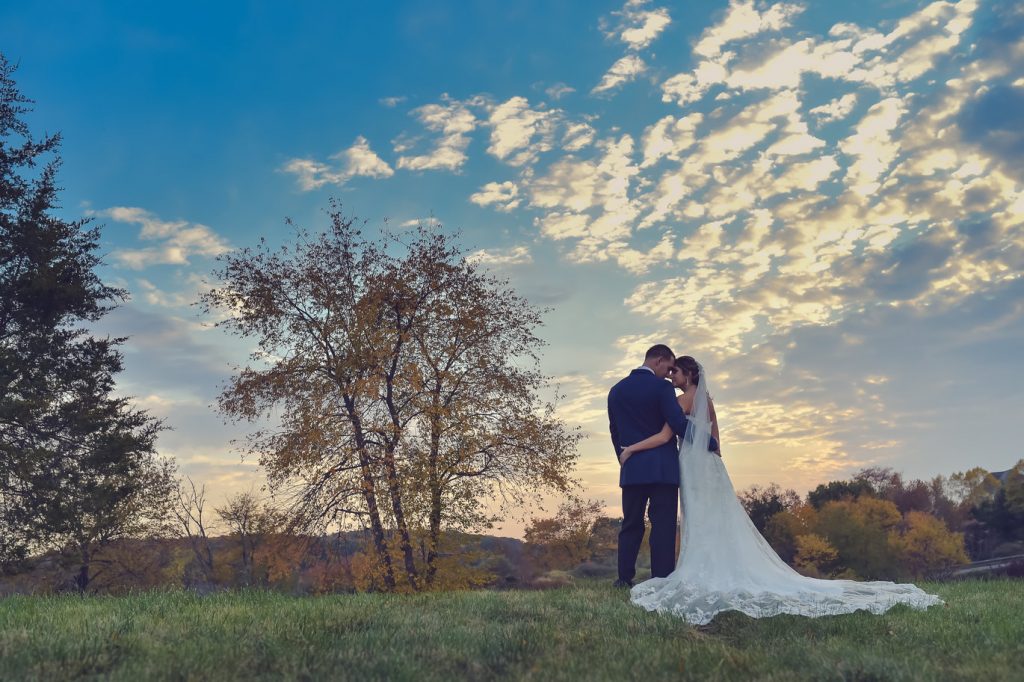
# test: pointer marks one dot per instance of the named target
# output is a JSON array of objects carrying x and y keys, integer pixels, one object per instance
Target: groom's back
[{"x": 635, "y": 413}]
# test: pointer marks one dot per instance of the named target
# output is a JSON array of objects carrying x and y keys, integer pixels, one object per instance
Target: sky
[{"x": 822, "y": 202}]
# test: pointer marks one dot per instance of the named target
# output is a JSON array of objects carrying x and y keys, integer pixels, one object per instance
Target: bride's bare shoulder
[{"x": 685, "y": 402}]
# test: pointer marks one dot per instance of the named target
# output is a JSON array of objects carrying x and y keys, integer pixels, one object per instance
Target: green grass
[{"x": 588, "y": 632}]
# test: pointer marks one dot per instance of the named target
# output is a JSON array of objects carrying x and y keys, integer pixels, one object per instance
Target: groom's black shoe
[{"x": 622, "y": 583}]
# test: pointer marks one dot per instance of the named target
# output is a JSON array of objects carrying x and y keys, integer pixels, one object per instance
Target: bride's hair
[{"x": 689, "y": 367}]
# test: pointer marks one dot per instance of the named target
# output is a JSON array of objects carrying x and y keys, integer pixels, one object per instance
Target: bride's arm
[
  {"x": 714, "y": 425},
  {"x": 665, "y": 435}
]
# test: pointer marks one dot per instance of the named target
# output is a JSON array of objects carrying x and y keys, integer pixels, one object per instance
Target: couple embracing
[{"x": 669, "y": 453}]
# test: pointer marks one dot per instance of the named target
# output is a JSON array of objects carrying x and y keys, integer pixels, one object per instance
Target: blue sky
[{"x": 822, "y": 202}]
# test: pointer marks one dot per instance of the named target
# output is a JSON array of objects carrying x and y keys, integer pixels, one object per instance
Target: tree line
[{"x": 875, "y": 525}]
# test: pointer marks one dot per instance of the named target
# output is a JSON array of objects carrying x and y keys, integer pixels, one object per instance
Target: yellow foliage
[
  {"x": 871, "y": 511},
  {"x": 881, "y": 513},
  {"x": 927, "y": 546},
  {"x": 815, "y": 556}
]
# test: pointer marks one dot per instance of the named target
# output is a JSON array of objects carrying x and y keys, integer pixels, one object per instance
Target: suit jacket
[{"x": 638, "y": 407}]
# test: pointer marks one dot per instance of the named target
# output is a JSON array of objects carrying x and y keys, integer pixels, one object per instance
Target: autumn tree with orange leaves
[{"x": 404, "y": 387}]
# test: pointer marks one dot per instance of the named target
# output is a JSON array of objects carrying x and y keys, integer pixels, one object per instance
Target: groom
[{"x": 638, "y": 407}]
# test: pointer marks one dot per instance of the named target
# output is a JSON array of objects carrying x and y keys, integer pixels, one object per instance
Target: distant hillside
[{"x": 145, "y": 563}]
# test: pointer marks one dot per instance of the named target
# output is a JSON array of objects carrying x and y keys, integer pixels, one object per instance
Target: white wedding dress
[{"x": 726, "y": 565}]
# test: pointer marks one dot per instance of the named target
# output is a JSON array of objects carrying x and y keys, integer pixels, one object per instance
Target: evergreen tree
[{"x": 77, "y": 465}]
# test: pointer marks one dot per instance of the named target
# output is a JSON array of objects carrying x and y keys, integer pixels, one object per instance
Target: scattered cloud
[
  {"x": 176, "y": 241},
  {"x": 153, "y": 295},
  {"x": 835, "y": 110},
  {"x": 504, "y": 196},
  {"x": 810, "y": 184},
  {"x": 357, "y": 160},
  {"x": 558, "y": 91},
  {"x": 636, "y": 25},
  {"x": 622, "y": 71},
  {"x": 392, "y": 102},
  {"x": 519, "y": 133},
  {"x": 516, "y": 255},
  {"x": 453, "y": 121}
]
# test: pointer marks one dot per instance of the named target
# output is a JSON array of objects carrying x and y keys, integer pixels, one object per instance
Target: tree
[
  {"x": 761, "y": 503},
  {"x": 188, "y": 512},
  {"x": 252, "y": 523},
  {"x": 77, "y": 465},
  {"x": 973, "y": 487},
  {"x": 926, "y": 546},
  {"x": 859, "y": 531},
  {"x": 1014, "y": 487},
  {"x": 565, "y": 540},
  {"x": 815, "y": 557},
  {"x": 482, "y": 429},
  {"x": 889, "y": 485},
  {"x": 103, "y": 482},
  {"x": 405, "y": 381},
  {"x": 838, "y": 490},
  {"x": 784, "y": 527}
]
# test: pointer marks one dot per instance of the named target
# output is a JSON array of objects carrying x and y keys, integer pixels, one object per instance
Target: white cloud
[
  {"x": 743, "y": 20},
  {"x": 600, "y": 187},
  {"x": 519, "y": 133},
  {"x": 453, "y": 121},
  {"x": 392, "y": 102},
  {"x": 516, "y": 255},
  {"x": 873, "y": 146},
  {"x": 856, "y": 55},
  {"x": 639, "y": 262},
  {"x": 558, "y": 91},
  {"x": 835, "y": 110},
  {"x": 622, "y": 71},
  {"x": 636, "y": 25},
  {"x": 504, "y": 196},
  {"x": 179, "y": 239},
  {"x": 357, "y": 160},
  {"x": 153, "y": 295},
  {"x": 430, "y": 222},
  {"x": 670, "y": 138}
]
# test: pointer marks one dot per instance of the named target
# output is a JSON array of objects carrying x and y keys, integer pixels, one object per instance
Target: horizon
[{"x": 824, "y": 205}]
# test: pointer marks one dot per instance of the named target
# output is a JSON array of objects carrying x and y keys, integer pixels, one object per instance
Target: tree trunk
[
  {"x": 403, "y": 528},
  {"x": 246, "y": 561},
  {"x": 207, "y": 563},
  {"x": 434, "y": 483},
  {"x": 82, "y": 579},
  {"x": 394, "y": 485},
  {"x": 370, "y": 495}
]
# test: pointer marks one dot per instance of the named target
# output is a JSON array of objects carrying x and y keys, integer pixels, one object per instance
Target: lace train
[
  {"x": 726, "y": 565},
  {"x": 699, "y": 606}
]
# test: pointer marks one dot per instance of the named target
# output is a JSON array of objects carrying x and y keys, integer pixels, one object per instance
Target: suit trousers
[{"x": 661, "y": 500}]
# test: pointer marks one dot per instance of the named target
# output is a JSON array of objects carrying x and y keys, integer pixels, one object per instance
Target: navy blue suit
[{"x": 638, "y": 407}]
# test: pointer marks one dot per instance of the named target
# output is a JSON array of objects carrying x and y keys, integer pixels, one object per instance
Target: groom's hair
[{"x": 660, "y": 351}]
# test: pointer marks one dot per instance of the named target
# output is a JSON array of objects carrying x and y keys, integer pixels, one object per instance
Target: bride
[{"x": 725, "y": 564}]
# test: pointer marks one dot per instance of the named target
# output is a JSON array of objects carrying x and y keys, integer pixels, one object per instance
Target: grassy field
[{"x": 588, "y": 632}]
